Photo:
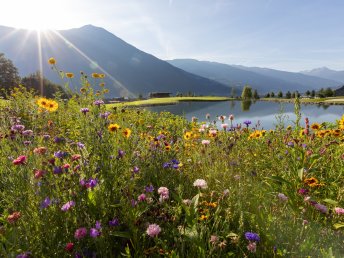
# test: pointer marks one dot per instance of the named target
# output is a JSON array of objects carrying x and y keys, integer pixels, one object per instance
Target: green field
[
  {"x": 330, "y": 100},
  {"x": 167, "y": 101}
]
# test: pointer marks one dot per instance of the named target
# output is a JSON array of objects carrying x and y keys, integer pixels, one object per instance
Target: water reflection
[
  {"x": 261, "y": 111},
  {"x": 245, "y": 105}
]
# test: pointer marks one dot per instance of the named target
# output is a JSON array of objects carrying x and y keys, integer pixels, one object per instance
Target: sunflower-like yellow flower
[
  {"x": 42, "y": 102},
  {"x": 127, "y": 132},
  {"x": 187, "y": 135},
  {"x": 52, "y": 106},
  {"x": 70, "y": 75},
  {"x": 315, "y": 126},
  {"x": 312, "y": 182},
  {"x": 52, "y": 61},
  {"x": 95, "y": 75},
  {"x": 113, "y": 127}
]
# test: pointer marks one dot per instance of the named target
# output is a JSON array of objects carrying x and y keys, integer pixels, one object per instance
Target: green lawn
[{"x": 170, "y": 100}]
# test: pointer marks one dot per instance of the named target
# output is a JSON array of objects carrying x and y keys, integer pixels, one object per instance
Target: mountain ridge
[{"x": 130, "y": 70}]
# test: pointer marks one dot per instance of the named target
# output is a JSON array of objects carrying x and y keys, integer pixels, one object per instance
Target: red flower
[
  {"x": 20, "y": 160},
  {"x": 69, "y": 247}
]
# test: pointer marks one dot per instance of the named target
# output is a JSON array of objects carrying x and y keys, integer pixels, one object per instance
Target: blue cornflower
[{"x": 250, "y": 236}]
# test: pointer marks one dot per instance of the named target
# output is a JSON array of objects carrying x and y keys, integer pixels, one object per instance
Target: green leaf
[
  {"x": 91, "y": 197},
  {"x": 329, "y": 201},
  {"x": 120, "y": 234},
  {"x": 278, "y": 179},
  {"x": 338, "y": 225},
  {"x": 300, "y": 173}
]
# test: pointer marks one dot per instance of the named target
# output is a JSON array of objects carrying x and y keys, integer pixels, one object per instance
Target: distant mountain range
[
  {"x": 326, "y": 73},
  {"x": 130, "y": 71},
  {"x": 262, "y": 79}
]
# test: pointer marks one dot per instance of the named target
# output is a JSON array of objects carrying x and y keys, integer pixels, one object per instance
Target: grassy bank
[
  {"x": 329, "y": 101},
  {"x": 167, "y": 101}
]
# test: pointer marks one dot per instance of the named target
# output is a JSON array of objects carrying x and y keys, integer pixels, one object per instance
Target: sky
[{"x": 290, "y": 35}]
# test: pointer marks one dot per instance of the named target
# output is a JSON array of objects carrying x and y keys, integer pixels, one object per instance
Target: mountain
[
  {"x": 129, "y": 70},
  {"x": 262, "y": 79},
  {"x": 326, "y": 73}
]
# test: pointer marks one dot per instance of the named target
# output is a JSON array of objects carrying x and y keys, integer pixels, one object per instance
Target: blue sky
[{"x": 291, "y": 35}]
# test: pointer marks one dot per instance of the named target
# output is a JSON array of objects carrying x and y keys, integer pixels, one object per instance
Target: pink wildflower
[
  {"x": 80, "y": 233},
  {"x": 200, "y": 183},
  {"x": 153, "y": 230}
]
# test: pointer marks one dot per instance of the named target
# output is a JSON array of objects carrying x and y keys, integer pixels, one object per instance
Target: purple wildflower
[
  {"x": 17, "y": 128},
  {"x": 94, "y": 232},
  {"x": 68, "y": 205},
  {"x": 81, "y": 145},
  {"x": 120, "y": 154},
  {"x": 114, "y": 222},
  {"x": 250, "y": 236},
  {"x": 98, "y": 102},
  {"x": 80, "y": 233},
  {"x": 149, "y": 189},
  {"x": 46, "y": 203},
  {"x": 98, "y": 225},
  {"x": 24, "y": 255},
  {"x": 60, "y": 154},
  {"x": 247, "y": 123},
  {"x": 84, "y": 110},
  {"x": 27, "y": 133},
  {"x": 58, "y": 170}
]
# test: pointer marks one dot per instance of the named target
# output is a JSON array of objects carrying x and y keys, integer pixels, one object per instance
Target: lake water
[{"x": 263, "y": 112}]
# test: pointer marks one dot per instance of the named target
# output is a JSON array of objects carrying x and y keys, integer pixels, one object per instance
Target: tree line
[{"x": 9, "y": 79}]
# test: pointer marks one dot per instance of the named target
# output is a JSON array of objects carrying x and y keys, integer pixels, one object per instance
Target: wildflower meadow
[{"x": 80, "y": 179}]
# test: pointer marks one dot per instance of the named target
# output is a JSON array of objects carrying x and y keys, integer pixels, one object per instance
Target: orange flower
[{"x": 70, "y": 75}]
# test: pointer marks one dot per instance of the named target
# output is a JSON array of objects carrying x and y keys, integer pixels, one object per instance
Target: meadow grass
[
  {"x": 330, "y": 100},
  {"x": 79, "y": 180},
  {"x": 166, "y": 101}
]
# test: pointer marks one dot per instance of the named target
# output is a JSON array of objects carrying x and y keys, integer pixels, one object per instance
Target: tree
[
  {"x": 288, "y": 95},
  {"x": 313, "y": 93},
  {"x": 35, "y": 80},
  {"x": 246, "y": 92},
  {"x": 293, "y": 95},
  {"x": 272, "y": 94},
  {"x": 255, "y": 94},
  {"x": 267, "y": 95},
  {"x": 308, "y": 93},
  {"x": 280, "y": 94},
  {"x": 329, "y": 92},
  {"x": 9, "y": 77}
]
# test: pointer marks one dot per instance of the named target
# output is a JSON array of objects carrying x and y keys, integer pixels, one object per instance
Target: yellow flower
[
  {"x": 52, "y": 61},
  {"x": 70, "y": 75},
  {"x": 168, "y": 147},
  {"x": 312, "y": 182},
  {"x": 187, "y": 135},
  {"x": 127, "y": 132},
  {"x": 95, "y": 75},
  {"x": 52, "y": 106},
  {"x": 42, "y": 102},
  {"x": 315, "y": 126},
  {"x": 113, "y": 127},
  {"x": 101, "y": 75},
  {"x": 102, "y": 84}
]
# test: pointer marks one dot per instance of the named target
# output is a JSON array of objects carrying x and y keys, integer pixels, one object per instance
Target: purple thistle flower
[
  {"x": 58, "y": 170},
  {"x": 120, "y": 154},
  {"x": 59, "y": 139},
  {"x": 250, "y": 236},
  {"x": 149, "y": 189},
  {"x": 104, "y": 115},
  {"x": 60, "y": 154},
  {"x": 247, "y": 123},
  {"x": 46, "y": 137},
  {"x": 98, "y": 225},
  {"x": 81, "y": 145},
  {"x": 114, "y": 222},
  {"x": 27, "y": 133},
  {"x": 136, "y": 170},
  {"x": 17, "y": 128},
  {"x": 46, "y": 203},
  {"x": 24, "y": 255},
  {"x": 84, "y": 110},
  {"x": 98, "y": 102}
]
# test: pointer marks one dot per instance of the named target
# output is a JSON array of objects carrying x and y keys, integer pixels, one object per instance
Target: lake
[{"x": 263, "y": 112}]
